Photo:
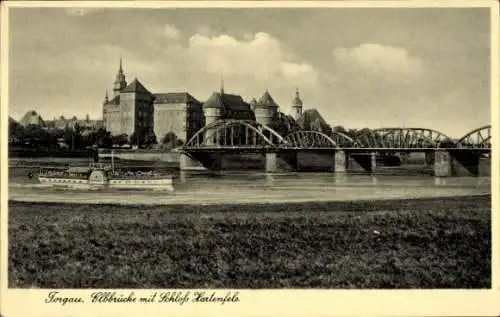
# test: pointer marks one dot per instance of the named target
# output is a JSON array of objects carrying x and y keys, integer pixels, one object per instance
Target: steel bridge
[{"x": 244, "y": 135}]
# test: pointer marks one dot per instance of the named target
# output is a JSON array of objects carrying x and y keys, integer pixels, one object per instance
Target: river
[{"x": 259, "y": 187}]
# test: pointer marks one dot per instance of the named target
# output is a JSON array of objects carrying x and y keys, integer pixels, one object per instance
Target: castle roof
[
  {"x": 114, "y": 101},
  {"x": 215, "y": 101},
  {"x": 226, "y": 101},
  {"x": 266, "y": 100},
  {"x": 174, "y": 97},
  {"x": 136, "y": 86}
]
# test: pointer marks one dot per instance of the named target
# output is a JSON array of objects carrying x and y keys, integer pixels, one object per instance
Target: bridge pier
[
  {"x": 457, "y": 163},
  {"x": 470, "y": 164},
  {"x": 484, "y": 168},
  {"x": 442, "y": 163},
  {"x": 362, "y": 162},
  {"x": 430, "y": 158},
  {"x": 189, "y": 163},
  {"x": 199, "y": 161},
  {"x": 404, "y": 157},
  {"x": 277, "y": 162},
  {"x": 340, "y": 160}
]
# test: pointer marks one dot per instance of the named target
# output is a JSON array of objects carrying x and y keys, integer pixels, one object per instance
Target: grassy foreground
[{"x": 424, "y": 243}]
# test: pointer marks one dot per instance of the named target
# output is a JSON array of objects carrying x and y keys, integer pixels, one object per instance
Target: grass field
[{"x": 425, "y": 243}]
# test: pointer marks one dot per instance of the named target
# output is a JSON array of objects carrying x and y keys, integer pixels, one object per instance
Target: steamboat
[{"x": 103, "y": 176}]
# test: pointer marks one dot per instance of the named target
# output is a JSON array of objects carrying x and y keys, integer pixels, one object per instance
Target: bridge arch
[
  {"x": 409, "y": 138},
  {"x": 234, "y": 133},
  {"x": 477, "y": 138},
  {"x": 316, "y": 139}
]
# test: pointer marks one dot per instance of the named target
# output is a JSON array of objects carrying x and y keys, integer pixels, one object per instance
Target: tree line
[{"x": 37, "y": 137}]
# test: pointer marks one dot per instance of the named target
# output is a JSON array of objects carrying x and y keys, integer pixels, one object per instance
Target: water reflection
[{"x": 439, "y": 181}]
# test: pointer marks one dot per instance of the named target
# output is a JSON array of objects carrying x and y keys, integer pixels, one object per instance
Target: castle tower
[
  {"x": 265, "y": 109},
  {"x": 297, "y": 105},
  {"x": 213, "y": 108},
  {"x": 120, "y": 82},
  {"x": 136, "y": 108}
]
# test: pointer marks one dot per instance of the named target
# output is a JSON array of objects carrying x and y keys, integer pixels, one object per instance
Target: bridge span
[{"x": 469, "y": 155}]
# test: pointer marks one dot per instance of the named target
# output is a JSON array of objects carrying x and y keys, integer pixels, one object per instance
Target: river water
[{"x": 259, "y": 187}]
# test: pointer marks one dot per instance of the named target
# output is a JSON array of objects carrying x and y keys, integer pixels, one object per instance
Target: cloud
[
  {"x": 259, "y": 55},
  {"x": 205, "y": 30},
  {"x": 81, "y": 11},
  {"x": 171, "y": 31},
  {"x": 384, "y": 60}
]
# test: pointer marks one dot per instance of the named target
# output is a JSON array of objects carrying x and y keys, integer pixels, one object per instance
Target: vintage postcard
[{"x": 248, "y": 158}]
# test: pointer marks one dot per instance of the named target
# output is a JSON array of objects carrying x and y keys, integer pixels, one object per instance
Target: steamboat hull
[{"x": 164, "y": 184}]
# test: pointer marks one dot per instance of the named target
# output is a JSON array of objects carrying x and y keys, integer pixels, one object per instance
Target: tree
[
  {"x": 170, "y": 140},
  {"x": 16, "y": 131},
  {"x": 447, "y": 143},
  {"x": 35, "y": 136},
  {"x": 120, "y": 139},
  {"x": 150, "y": 137},
  {"x": 136, "y": 138},
  {"x": 105, "y": 141},
  {"x": 73, "y": 138},
  {"x": 284, "y": 124},
  {"x": 169, "y": 137},
  {"x": 340, "y": 129}
]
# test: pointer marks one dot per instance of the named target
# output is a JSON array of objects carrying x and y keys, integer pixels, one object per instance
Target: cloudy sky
[{"x": 360, "y": 67}]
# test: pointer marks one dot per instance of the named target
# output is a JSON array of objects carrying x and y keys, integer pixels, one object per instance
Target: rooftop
[
  {"x": 226, "y": 101},
  {"x": 136, "y": 86},
  {"x": 174, "y": 97}
]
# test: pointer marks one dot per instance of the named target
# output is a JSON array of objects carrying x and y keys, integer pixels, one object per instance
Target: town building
[
  {"x": 62, "y": 123},
  {"x": 32, "y": 117}
]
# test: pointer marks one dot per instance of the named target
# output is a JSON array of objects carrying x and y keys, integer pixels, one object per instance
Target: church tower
[
  {"x": 120, "y": 82},
  {"x": 297, "y": 105}
]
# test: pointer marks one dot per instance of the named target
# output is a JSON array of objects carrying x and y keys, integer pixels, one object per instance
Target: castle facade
[{"x": 134, "y": 109}]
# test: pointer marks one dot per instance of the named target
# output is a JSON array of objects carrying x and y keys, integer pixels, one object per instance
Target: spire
[
  {"x": 106, "y": 99},
  {"x": 297, "y": 92},
  {"x": 222, "y": 84},
  {"x": 120, "y": 82}
]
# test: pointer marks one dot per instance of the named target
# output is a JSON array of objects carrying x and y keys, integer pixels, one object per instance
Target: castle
[{"x": 134, "y": 109}]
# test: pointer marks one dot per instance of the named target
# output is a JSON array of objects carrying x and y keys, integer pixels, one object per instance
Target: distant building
[
  {"x": 87, "y": 123},
  {"x": 32, "y": 117}
]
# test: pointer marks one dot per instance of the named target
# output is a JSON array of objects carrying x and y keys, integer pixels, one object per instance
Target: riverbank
[{"x": 412, "y": 243}]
